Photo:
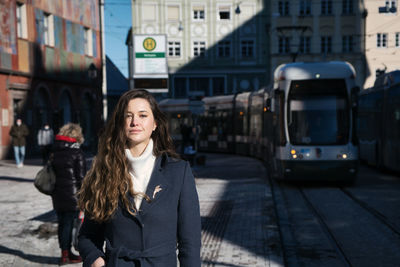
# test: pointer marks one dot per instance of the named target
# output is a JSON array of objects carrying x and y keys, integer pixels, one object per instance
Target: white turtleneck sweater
[{"x": 140, "y": 170}]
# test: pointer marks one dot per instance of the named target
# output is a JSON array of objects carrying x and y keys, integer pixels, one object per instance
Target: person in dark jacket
[
  {"x": 138, "y": 197},
  {"x": 19, "y": 132},
  {"x": 69, "y": 165}
]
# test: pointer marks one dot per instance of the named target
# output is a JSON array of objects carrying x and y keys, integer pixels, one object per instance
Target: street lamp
[
  {"x": 92, "y": 71},
  {"x": 237, "y": 10}
]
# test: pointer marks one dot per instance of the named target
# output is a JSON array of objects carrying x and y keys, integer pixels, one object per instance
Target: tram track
[
  {"x": 341, "y": 251},
  {"x": 328, "y": 233},
  {"x": 293, "y": 248},
  {"x": 372, "y": 211}
]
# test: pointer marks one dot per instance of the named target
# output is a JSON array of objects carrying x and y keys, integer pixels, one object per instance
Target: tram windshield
[{"x": 318, "y": 112}]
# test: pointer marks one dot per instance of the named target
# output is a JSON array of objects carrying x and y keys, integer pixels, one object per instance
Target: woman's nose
[{"x": 133, "y": 121}]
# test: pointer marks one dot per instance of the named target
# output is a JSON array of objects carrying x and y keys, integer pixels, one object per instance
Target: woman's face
[{"x": 139, "y": 122}]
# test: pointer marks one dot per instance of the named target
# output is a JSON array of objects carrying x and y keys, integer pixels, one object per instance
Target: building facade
[
  {"x": 307, "y": 30},
  {"x": 50, "y": 67},
  {"x": 214, "y": 47},
  {"x": 382, "y": 38}
]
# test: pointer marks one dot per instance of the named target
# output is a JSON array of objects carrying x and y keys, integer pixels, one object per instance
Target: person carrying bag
[{"x": 45, "y": 179}]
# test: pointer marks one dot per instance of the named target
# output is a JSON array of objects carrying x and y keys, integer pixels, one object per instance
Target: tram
[
  {"x": 178, "y": 114},
  {"x": 379, "y": 122},
  {"x": 302, "y": 125},
  {"x": 313, "y": 107}
]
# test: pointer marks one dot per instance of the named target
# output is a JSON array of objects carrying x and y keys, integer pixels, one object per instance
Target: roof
[
  {"x": 313, "y": 70},
  {"x": 117, "y": 83}
]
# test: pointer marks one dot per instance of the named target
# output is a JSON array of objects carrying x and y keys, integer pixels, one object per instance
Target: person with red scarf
[{"x": 69, "y": 165}]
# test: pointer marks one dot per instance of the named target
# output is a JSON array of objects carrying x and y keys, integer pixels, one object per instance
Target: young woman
[
  {"x": 70, "y": 168},
  {"x": 138, "y": 197}
]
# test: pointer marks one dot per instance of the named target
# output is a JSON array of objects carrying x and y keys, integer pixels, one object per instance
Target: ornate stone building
[
  {"x": 214, "y": 47},
  {"x": 50, "y": 67}
]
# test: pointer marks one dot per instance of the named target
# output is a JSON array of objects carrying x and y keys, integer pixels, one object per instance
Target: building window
[
  {"x": 397, "y": 40},
  {"x": 347, "y": 6},
  {"x": 48, "y": 29},
  {"x": 218, "y": 85},
  {"x": 247, "y": 48},
  {"x": 224, "y": 12},
  {"x": 347, "y": 43},
  {"x": 199, "y": 49},
  {"x": 150, "y": 11},
  {"x": 305, "y": 7},
  {"x": 283, "y": 8},
  {"x": 326, "y": 44},
  {"x": 326, "y": 7},
  {"x": 21, "y": 21},
  {"x": 305, "y": 45},
  {"x": 180, "y": 87},
  {"x": 174, "y": 49},
  {"x": 200, "y": 84},
  {"x": 173, "y": 13},
  {"x": 390, "y": 6},
  {"x": 284, "y": 45},
  {"x": 381, "y": 40},
  {"x": 88, "y": 40},
  {"x": 198, "y": 13},
  {"x": 224, "y": 49}
]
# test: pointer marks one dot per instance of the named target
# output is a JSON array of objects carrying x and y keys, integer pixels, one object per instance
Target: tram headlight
[
  {"x": 294, "y": 156},
  {"x": 293, "y": 152},
  {"x": 342, "y": 156}
]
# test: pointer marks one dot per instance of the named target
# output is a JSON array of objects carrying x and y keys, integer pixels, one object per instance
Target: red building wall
[{"x": 54, "y": 81}]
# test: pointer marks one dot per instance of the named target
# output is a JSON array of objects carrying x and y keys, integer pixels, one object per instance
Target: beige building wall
[
  {"x": 243, "y": 67},
  {"x": 382, "y": 38},
  {"x": 338, "y": 23}
]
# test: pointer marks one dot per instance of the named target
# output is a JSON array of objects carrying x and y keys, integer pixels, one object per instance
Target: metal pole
[{"x": 103, "y": 62}]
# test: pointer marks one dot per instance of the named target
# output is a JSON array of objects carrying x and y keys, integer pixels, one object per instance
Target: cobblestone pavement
[{"x": 238, "y": 220}]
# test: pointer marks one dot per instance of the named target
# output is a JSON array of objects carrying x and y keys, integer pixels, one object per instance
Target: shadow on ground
[{"x": 29, "y": 257}]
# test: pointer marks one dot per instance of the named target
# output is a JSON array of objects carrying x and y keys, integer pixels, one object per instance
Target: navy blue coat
[{"x": 169, "y": 222}]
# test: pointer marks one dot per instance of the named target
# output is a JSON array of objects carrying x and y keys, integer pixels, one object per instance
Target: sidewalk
[
  {"x": 238, "y": 218},
  {"x": 238, "y": 221},
  {"x": 24, "y": 209}
]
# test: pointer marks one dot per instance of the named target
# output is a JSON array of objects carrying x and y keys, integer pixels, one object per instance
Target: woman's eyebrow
[{"x": 140, "y": 111}]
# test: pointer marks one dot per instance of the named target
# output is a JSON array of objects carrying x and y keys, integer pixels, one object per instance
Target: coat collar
[{"x": 159, "y": 184}]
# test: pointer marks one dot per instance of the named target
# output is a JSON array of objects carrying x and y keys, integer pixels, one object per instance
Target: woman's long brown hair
[{"x": 108, "y": 181}]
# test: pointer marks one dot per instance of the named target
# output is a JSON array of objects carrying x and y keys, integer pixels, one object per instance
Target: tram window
[
  {"x": 335, "y": 87},
  {"x": 318, "y": 112},
  {"x": 318, "y": 122}
]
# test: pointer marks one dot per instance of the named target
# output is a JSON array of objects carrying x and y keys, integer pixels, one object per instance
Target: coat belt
[{"x": 118, "y": 256}]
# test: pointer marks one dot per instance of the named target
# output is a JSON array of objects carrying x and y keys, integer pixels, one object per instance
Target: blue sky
[{"x": 117, "y": 21}]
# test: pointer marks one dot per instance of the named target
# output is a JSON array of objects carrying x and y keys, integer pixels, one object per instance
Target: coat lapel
[{"x": 157, "y": 187}]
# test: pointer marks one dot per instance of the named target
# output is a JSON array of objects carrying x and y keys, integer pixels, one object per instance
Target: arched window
[
  {"x": 86, "y": 121},
  {"x": 65, "y": 111}
]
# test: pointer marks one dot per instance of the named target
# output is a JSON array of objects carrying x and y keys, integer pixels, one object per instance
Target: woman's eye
[{"x": 143, "y": 116}]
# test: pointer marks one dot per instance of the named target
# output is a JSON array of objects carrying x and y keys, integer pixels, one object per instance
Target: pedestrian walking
[
  {"x": 19, "y": 131},
  {"x": 69, "y": 165},
  {"x": 138, "y": 197},
  {"x": 45, "y": 140}
]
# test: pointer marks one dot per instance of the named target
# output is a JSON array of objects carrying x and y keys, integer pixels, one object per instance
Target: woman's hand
[{"x": 99, "y": 262}]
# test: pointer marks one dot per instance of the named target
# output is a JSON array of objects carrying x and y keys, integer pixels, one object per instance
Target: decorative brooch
[{"x": 156, "y": 190}]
